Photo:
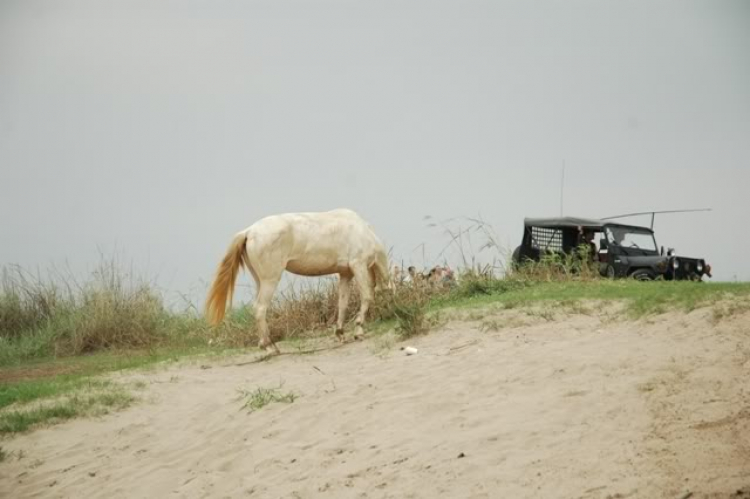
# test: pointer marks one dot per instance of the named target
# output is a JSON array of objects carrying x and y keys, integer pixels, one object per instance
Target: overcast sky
[{"x": 156, "y": 130}]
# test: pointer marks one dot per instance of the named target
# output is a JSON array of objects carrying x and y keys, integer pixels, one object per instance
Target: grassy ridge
[
  {"x": 640, "y": 298},
  {"x": 49, "y": 322}
]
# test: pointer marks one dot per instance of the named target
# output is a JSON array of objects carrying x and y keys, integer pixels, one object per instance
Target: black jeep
[{"x": 623, "y": 250}]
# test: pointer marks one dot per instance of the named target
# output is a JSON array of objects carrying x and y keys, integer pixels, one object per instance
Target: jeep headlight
[
  {"x": 699, "y": 267},
  {"x": 676, "y": 264}
]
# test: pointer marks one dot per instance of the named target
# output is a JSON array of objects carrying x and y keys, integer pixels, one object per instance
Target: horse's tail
[{"x": 222, "y": 288}]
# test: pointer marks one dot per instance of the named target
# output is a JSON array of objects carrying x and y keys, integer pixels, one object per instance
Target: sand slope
[{"x": 580, "y": 406}]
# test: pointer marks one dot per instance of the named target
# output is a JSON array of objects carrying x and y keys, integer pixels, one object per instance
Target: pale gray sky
[{"x": 158, "y": 129}]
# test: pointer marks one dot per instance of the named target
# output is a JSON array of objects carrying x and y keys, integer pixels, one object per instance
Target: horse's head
[{"x": 386, "y": 282}]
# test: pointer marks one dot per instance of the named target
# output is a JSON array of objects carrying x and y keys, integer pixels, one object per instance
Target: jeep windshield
[{"x": 631, "y": 241}]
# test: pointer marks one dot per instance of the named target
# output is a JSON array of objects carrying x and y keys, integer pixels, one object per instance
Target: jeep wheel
[
  {"x": 643, "y": 275},
  {"x": 609, "y": 272}
]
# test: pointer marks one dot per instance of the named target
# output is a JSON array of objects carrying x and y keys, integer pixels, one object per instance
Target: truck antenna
[
  {"x": 653, "y": 214},
  {"x": 562, "y": 185}
]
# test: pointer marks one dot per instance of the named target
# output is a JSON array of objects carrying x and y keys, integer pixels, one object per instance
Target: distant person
[
  {"x": 411, "y": 275},
  {"x": 588, "y": 240},
  {"x": 435, "y": 275},
  {"x": 448, "y": 279}
]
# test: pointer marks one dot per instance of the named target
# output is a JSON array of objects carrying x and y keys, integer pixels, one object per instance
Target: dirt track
[{"x": 579, "y": 406}]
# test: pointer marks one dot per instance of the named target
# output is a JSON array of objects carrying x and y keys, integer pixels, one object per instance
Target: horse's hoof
[{"x": 269, "y": 348}]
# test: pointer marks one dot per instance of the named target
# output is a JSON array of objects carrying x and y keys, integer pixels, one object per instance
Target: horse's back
[{"x": 342, "y": 229}]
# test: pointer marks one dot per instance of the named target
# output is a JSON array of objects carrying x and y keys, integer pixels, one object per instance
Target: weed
[
  {"x": 541, "y": 313},
  {"x": 501, "y": 323},
  {"x": 576, "y": 307},
  {"x": 261, "y": 397},
  {"x": 411, "y": 319},
  {"x": 492, "y": 325}
]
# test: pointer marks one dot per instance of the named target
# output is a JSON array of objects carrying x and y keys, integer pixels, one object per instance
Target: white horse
[{"x": 307, "y": 244}]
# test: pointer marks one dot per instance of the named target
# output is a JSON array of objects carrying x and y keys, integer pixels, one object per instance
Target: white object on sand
[{"x": 410, "y": 350}]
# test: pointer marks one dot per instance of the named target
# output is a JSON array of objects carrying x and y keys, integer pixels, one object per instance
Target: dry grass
[
  {"x": 577, "y": 266},
  {"x": 60, "y": 316},
  {"x": 63, "y": 317},
  {"x": 308, "y": 310},
  {"x": 113, "y": 310}
]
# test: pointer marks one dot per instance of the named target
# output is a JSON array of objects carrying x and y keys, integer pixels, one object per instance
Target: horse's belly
[{"x": 315, "y": 266}]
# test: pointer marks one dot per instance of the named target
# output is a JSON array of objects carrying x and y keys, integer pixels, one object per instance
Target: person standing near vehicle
[{"x": 586, "y": 238}]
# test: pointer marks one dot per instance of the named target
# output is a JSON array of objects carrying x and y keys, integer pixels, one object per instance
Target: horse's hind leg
[
  {"x": 345, "y": 281},
  {"x": 364, "y": 281},
  {"x": 262, "y": 302}
]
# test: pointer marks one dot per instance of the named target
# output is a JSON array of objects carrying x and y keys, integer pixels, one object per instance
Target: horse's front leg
[
  {"x": 345, "y": 281},
  {"x": 364, "y": 282}
]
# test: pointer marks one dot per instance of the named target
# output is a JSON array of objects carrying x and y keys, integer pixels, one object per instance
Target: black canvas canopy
[{"x": 574, "y": 222}]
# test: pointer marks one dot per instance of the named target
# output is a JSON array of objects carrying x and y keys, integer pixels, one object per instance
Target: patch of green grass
[
  {"x": 261, "y": 397},
  {"x": 82, "y": 403},
  {"x": 640, "y": 298},
  {"x": 24, "y": 393},
  {"x": 19, "y": 421},
  {"x": 52, "y": 378},
  {"x": 30, "y": 346}
]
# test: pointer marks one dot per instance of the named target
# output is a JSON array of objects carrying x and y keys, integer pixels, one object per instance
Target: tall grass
[
  {"x": 107, "y": 311},
  {"x": 310, "y": 309},
  {"x": 576, "y": 266},
  {"x": 59, "y": 316},
  {"x": 114, "y": 310},
  {"x": 25, "y": 303}
]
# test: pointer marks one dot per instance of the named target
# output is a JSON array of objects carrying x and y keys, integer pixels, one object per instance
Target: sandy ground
[{"x": 576, "y": 406}]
